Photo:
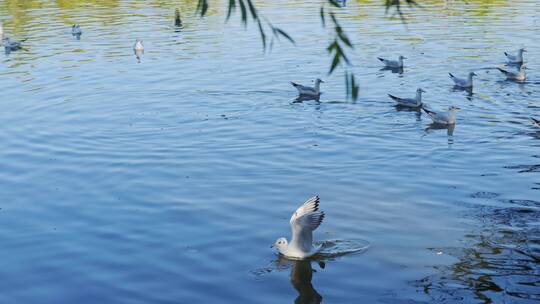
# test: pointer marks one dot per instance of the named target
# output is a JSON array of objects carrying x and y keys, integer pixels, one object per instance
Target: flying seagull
[{"x": 303, "y": 222}]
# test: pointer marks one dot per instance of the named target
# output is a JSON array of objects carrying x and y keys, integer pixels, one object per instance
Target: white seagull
[
  {"x": 518, "y": 58},
  {"x": 536, "y": 121},
  {"x": 76, "y": 30},
  {"x": 13, "y": 45},
  {"x": 410, "y": 102},
  {"x": 394, "y": 64},
  {"x": 519, "y": 76},
  {"x": 303, "y": 222},
  {"x": 448, "y": 118},
  {"x": 463, "y": 83},
  {"x": 138, "y": 46},
  {"x": 1, "y": 29},
  {"x": 303, "y": 90}
]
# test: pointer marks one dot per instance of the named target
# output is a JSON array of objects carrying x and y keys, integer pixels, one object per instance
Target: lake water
[{"x": 166, "y": 181}]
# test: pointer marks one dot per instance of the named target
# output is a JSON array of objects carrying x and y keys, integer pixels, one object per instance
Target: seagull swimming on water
[
  {"x": 409, "y": 102},
  {"x": 303, "y": 90},
  {"x": 536, "y": 121},
  {"x": 177, "y": 20},
  {"x": 13, "y": 45},
  {"x": 303, "y": 222},
  {"x": 519, "y": 76},
  {"x": 518, "y": 58},
  {"x": 76, "y": 30},
  {"x": 463, "y": 83},
  {"x": 448, "y": 118},
  {"x": 393, "y": 63}
]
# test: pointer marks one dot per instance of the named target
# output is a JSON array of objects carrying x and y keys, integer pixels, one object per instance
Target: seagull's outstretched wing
[{"x": 304, "y": 220}]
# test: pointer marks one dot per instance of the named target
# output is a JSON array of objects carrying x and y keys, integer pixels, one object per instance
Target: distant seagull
[
  {"x": 393, "y": 63},
  {"x": 13, "y": 45},
  {"x": 410, "y": 102},
  {"x": 518, "y": 58},
  {"x": 138, "y": 49},
  {"x": 303, "y": 222},
  {"x": 177, "y": 20},
  {"x": 76, "y": 30},
  {"x": 448, "y": 118},
  {"x": 519, "y": 76},
  {"x": 303, "y": 90},
  {"x": 536, "y": 121},
  {"x": 463, "y": 83},
  {"x": 1, "y": 29}
]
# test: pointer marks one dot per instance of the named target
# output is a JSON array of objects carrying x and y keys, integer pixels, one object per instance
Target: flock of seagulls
[
  {"x": 445, "y": 118},
  {"x": 308, "y": 216}
]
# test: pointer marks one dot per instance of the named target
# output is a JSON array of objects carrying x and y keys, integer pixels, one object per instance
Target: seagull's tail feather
[
  {"x": 428, "y": 111},
  {"x": 505, "y": 53},
  {"x": 502, "y": 71},
  {"x": 381, "y": 59},
  {"x": 451, "y": 76},
  {"x": 393, "y": 97},
  {"x": 294, "y": 84},
  {"x": 537, "y": 121}
]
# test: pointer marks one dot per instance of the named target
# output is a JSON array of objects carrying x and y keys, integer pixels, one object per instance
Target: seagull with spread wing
[
  {"x": 303, "y": 222},
  {"x": 516, "y": 59}
]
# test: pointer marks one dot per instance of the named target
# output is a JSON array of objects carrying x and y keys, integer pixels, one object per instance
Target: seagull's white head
[
  {"x": 472, "y": 74},
  {"x": 420, "y": 90},
  {"x": 521, "y": 50},
  {"x": 280, "y": 244},
  {"x": 318, "y": 80},
  {"x": 402, "y": 57},
  {"x": 522, "y": 68}
]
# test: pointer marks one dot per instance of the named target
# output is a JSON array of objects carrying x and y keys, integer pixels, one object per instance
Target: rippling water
[{"x": 166, "y": 181}]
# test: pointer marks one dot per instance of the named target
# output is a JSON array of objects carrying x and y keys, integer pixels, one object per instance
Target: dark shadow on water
[
  {"x": 417, "y": 110},
  {"x": 468, "y": 91},
  {"x": 301, "y": 277},
  {"x": 302, "y": 98},
  {"x": 393, "y": 70},
  {"x": 499, "y": 263},
  {"x": 138, "y": 55},
  {"x": 435, "y": 126}
]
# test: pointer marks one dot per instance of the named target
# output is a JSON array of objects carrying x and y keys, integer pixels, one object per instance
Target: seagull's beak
[
  {"x": 474, "y": 74},
  {"x": 457, "y": 108},
  {"x": 404, "y": 57},
  {"x": 322, "y": 81},
  {"x": 422, "y": 90},
  {"x": 272, "y": 246}
]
